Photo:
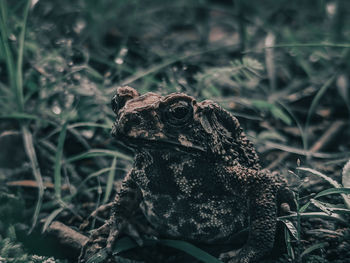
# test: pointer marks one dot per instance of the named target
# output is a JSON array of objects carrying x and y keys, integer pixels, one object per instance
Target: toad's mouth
[{"x": 158, "y": 144}]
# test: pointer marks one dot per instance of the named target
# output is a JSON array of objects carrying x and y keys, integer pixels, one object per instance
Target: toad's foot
[{"x": 131, "y": 229}]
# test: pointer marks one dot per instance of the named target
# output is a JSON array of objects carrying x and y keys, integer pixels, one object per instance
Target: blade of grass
[
  {"x": 19, "y": 77},
  {"x": 126, "y": 243},
  {"x": 317, "y": 173},
  {"x": 295, "y": 150},
  {"x": 5, "y": 45},
  {"x": 329, "y": 180},
  {"x": 341, "y": 211},
  {"x": 191, "y": 250},
  {"x": 333, "y": 191},
  {"x": 98, "y": 152},
  {"x": 289, "y": 246},
  {"x": 316, "y": 215},
  {"x": 346, "y": 174},
  {"x": 313, "y": 106},
  {"x": 306, "y": 45},
  {"x": 314, "y": 247},
  {"x": 122, "y": 244},
  {"x": 79, "y": 124},
  {"x": 324, "y": 44},
  {"x": 321, "y": 206},
  {"x": 299, "y": 57},
  {"x": 51, "y": 217},
  {"x": 90, "y": 176},
  {"x": 142, "y": 73},
  {"x": 304, "y": 207},
  {"x": 293, "y": 117},
  {"x": 29, "y": 148},
  {"x": 110, "y": 181},
  {"x": 270, "y": 61},
  {"x": 89, "y": 124},
  {"x": 58, "y": 161},
  {"x": 19, "y": 115},
  {"x": 273, "y": 109},
  {"x": 290, "y": 227},
  {"x": 98, "y": 201},
  {"x": 329, "y": 208},
  {"x": 341, "y": 191}
]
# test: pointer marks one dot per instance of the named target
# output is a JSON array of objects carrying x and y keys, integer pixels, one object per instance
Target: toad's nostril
[{"x": 131, "y": 120}]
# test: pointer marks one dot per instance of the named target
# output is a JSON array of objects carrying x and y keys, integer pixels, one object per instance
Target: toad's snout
[{"x": 129, "y": 122}]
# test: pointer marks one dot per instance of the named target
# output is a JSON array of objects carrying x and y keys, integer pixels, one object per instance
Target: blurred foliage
[{"x": 281, "y": 66}]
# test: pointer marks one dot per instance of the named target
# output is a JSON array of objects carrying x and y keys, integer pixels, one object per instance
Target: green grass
[{"x": 60, "y": 64}]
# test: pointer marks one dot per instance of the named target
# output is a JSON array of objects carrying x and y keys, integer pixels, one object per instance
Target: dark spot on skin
[
  {"x": 188, "y": 227},
  {"x": 210, "y": 231},
  {"x": 174, "y": 219}
]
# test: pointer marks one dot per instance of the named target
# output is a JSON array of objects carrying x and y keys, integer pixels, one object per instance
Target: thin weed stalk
[
  {"x": 6, "y": 47},
  {"x": 313, "y": 106},
  {"x": 19, "y": 75}
]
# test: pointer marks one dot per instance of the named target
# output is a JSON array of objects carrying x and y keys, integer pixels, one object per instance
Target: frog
[{"x": 196, "y": 177}]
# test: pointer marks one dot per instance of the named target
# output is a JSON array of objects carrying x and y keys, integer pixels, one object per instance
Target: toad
[{"x": 196, "y": 177}]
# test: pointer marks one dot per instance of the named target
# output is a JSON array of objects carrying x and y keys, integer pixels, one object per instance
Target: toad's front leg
[
  {"x": 262, "y": 220},
  {"x": 121, "y": 222},
  {"x": 126, "y": 205}
]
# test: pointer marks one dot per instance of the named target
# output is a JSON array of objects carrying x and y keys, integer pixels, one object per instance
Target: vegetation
[{"x": 282, "y": 67}]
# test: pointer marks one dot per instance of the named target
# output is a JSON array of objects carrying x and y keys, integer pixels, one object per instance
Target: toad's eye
[{"x": 178, "y": 113}]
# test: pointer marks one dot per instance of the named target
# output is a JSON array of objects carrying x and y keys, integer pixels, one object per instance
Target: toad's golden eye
[{"x": 178, "y": 113}]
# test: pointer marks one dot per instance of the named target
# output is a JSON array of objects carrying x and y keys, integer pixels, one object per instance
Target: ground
[{"x": 281, "y": 67}]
